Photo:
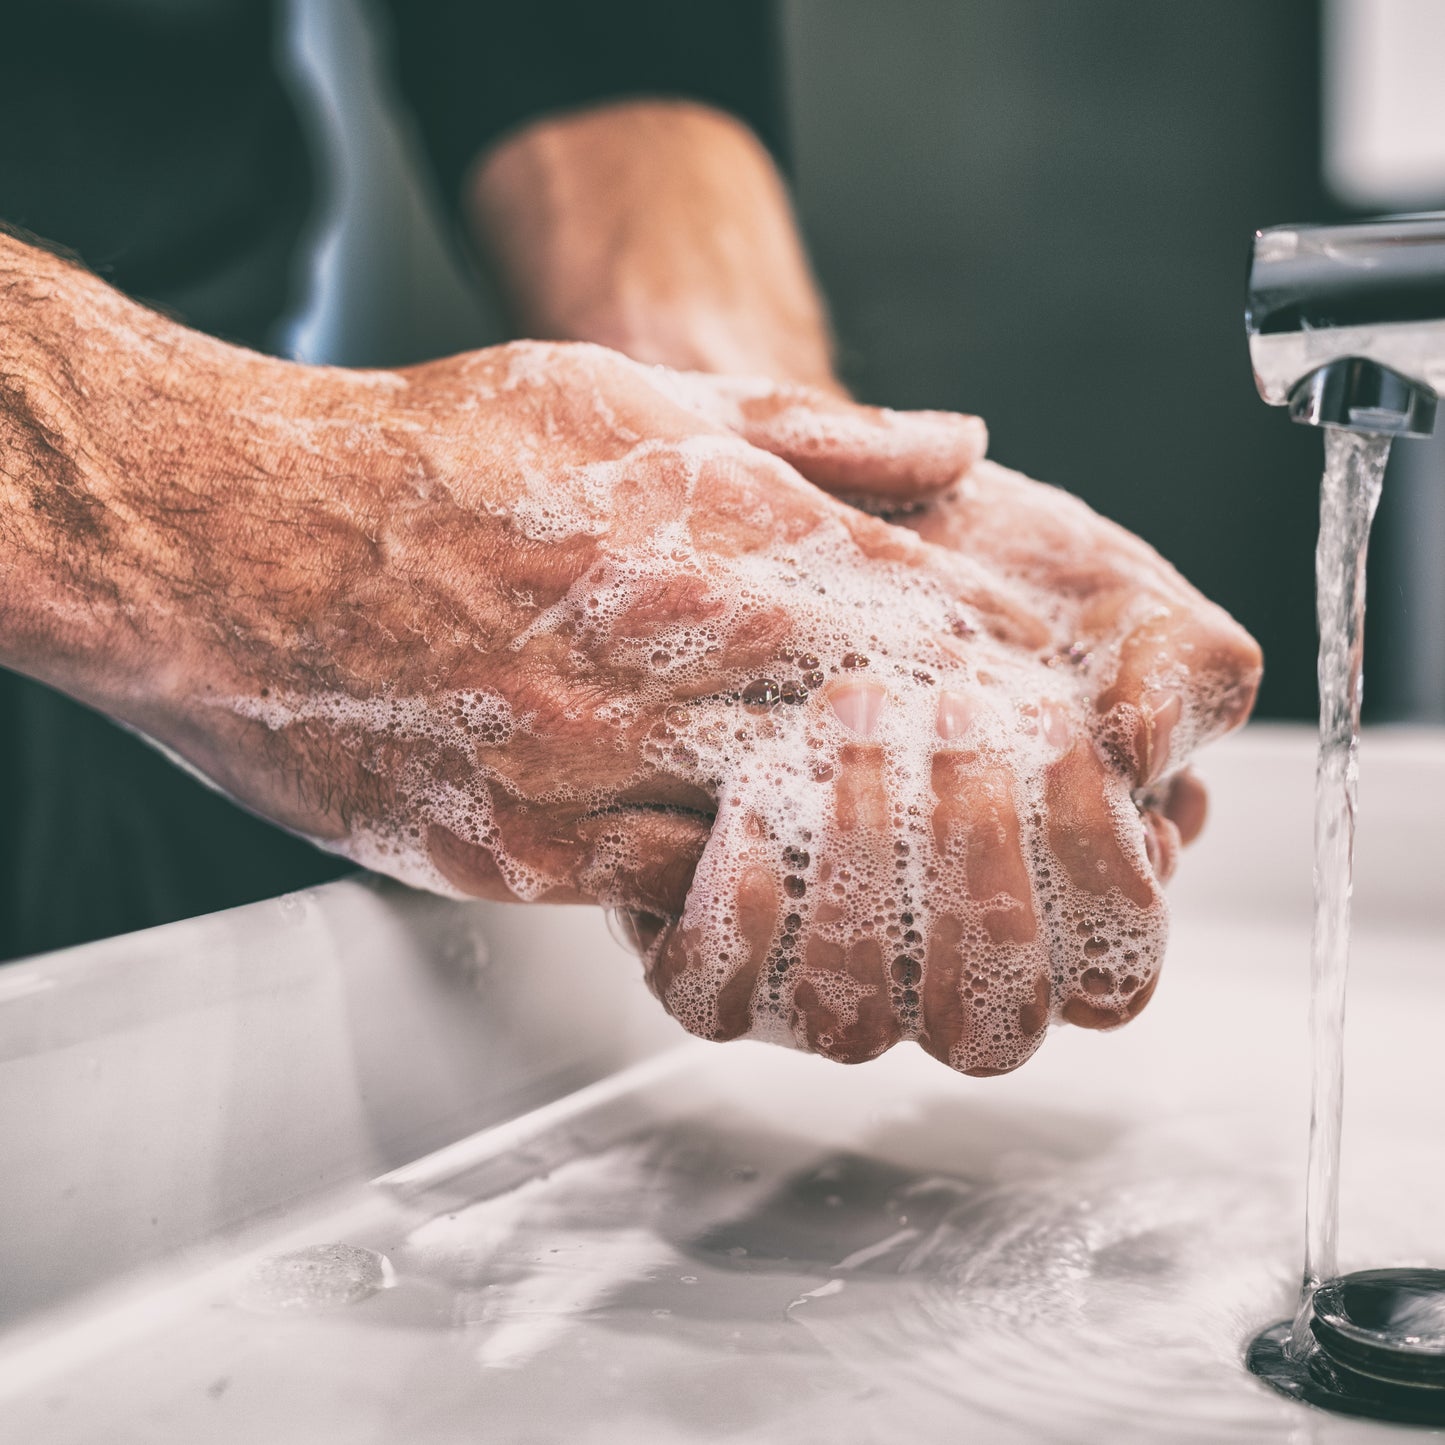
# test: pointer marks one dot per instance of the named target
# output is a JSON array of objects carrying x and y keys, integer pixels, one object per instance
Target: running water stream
[{"x": 1354, "y": 471}]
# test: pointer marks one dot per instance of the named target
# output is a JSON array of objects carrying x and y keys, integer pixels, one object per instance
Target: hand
[
  {"x": 1020, "y": 893},
  {"x": 1171, "y": 670},
  {"x": 575, "y": 638}
]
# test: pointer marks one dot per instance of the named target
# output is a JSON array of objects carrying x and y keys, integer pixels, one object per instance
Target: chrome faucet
[{"x": 1347, "y": 323}]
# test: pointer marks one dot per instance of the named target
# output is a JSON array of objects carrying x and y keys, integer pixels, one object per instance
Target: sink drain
[{"x": 1379, "y": 1348}]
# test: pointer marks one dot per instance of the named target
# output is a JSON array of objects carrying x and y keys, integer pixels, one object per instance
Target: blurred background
[{"x": 1041, "y": 211}]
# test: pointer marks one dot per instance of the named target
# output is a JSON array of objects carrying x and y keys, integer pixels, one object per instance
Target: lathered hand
[
  {"x": 542, "y": 623},
  {"x": 586, "y": 636},
  {"x": 1167, "y": 668}
]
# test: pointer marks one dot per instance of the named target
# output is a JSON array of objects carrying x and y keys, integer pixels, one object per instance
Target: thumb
[
  {"x": 638, "y": 858},
  {"x": 839, "y": 445}
]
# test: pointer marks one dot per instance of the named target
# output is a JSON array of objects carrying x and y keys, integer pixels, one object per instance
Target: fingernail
[
  {"x": 955, "y": 715},
  {"x": 857, "y": 706},
  {"x": 1055, "y": 726}
]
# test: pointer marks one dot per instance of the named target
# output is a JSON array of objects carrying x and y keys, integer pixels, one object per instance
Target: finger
[
  {"x": 1187, "y": 806},
  {"x": 840, "y": 445},
  {"x": 1106, "y": 911},
  {"x": 708, "y": 966},
  {"x": 986, "y": 986},
  {"x": 843, "y": 1004},
  {"x": 714, "y": 1005},
  {"x": 1184, "y": 676},
  {"x": 636, "y": 858},
  {"x": 842, "y": 999}
]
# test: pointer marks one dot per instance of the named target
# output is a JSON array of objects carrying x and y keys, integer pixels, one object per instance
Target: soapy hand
[
  {"x": 1172, "y": 669},
  {"x": 568, "y": 628},
  {"x": 976, "y": 847}
]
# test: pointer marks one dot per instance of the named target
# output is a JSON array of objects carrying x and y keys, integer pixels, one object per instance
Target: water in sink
[{"x": 1030, "y": 1286}]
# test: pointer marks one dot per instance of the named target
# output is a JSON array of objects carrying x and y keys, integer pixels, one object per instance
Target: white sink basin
[{"x": 620, "y": 1237}]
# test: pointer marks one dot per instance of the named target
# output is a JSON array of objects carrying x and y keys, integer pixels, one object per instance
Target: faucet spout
[
  {"x": 1346, "y": 323},
  {"x": 1357, "y": 394}
]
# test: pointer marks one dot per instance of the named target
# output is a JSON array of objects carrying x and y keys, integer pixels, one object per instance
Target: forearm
[
  {"x": 80, "y": 386},
  {"x": 661, "y": 229},
  {"x": 137, "y": 459}
]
